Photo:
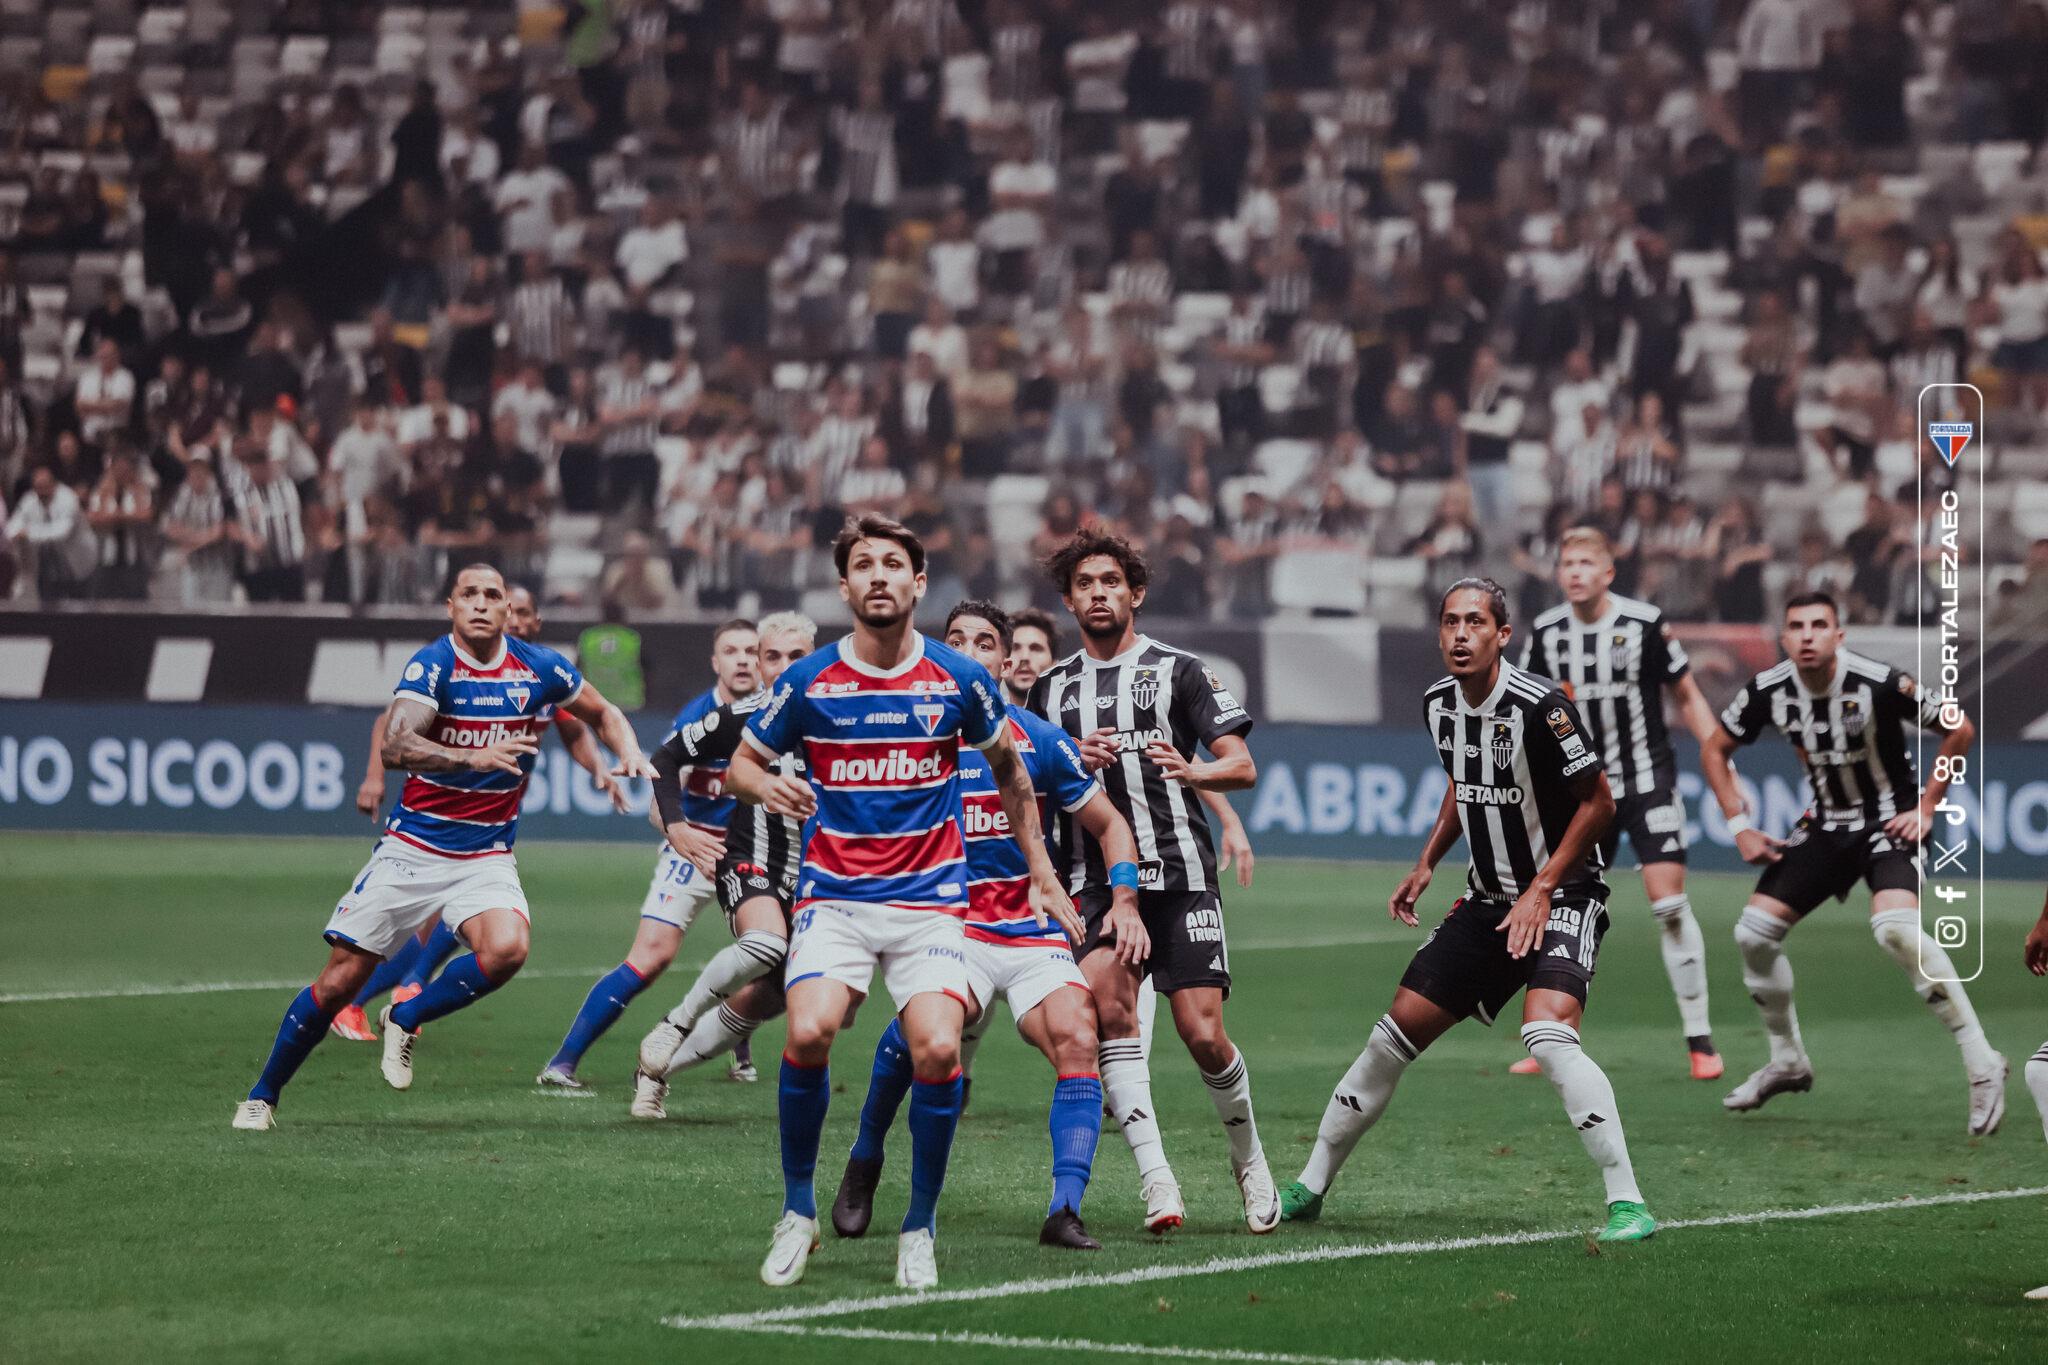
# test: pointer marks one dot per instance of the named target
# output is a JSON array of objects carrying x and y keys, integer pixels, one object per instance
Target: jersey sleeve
[
  {"x": 711, "y": 738},
  {"x": 1205, "y": 706},
  {"x": 1057, "y": 769},
  {"x": 560, "y": 680},
  {"x": 1672, "y": 661},
  {"x": 1745, "y": 717},
  {"x": 1915, "y": 704},
  {"x": 1531, "y": 661},
  {"x": 981, "y": 703},
  {"x": 424, "y": 678},
  {"x": 1558, "y": 738},
  {"x": 773, "y": 728}
]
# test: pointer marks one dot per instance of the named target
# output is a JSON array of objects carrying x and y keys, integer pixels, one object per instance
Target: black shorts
[
  {"x": 1820, "y": 863},
  {"x": 1186, "y": 928},
  {"x": 1655, "y": 825},
  {"x": 740, "y": 882},
  {"x": 1464, "y": 967}
]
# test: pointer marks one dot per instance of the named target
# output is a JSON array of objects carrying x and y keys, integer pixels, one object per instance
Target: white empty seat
[
  {"x": 1330, "y": 579},
  {"x": 1284, "y": 462},
  {"x": 2030, "y": 510}
]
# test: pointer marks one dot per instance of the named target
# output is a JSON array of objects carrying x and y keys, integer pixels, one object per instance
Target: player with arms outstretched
[
  {"x": 405, "y": 972},
  {"x": 879, "y": 718},
  {"x": 1530, "y": 797},
  {"x": 465, "y": 725},
  {"x": 1011, "y": 955},
  {"x": 1846, "y": 716},
  {"x": 1616, "y": 658},
  {"x": 1139, "y": 710},
  {"x": 682, "y": 870},
  {"x": 740, "y": 988}
]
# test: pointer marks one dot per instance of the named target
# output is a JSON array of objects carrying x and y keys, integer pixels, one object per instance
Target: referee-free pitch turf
[{"x": 473, "y": 1218}]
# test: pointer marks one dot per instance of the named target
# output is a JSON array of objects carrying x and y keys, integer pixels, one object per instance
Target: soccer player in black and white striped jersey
[
  {"x": 1531, "y": 800},
  {"x": 1615, "y": 658},
  {"x": 1846, "y": 716},
  {"x": 1140, "y": 710}
]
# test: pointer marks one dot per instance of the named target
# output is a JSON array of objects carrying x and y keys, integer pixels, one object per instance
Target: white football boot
[
  {"x": 255, "y": 1116},
  {"x": 659, "y": 1046},
  {"x": 1261, "y": 1197},
  {"x": 1163, "y": 1205},
  {"x": 398, "y": 1044},
  {"x": 916, "y": 1265},
  {"x": 649, "y": 1092},
  {"x": 796, "y": 1237},
  {"x": 1987, "y": 1099}
]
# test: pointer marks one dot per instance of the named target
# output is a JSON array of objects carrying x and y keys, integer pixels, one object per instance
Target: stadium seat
[
  {"x": 1284, "y": 463},
  {"x": 1319, "y": 580},
  {"x": 2030, "y": 510}
]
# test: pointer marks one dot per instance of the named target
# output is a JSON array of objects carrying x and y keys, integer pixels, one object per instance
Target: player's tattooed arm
[
  {"x": 582, "y": 747},
  {"x": 407, "y": 748},
  {"x": 1717, "y": 751},
  {"x": 1020, "y": 804},
  {"x": 613, "y": 730},
  {"x": 1524, "y": 922},
  {"x": 1236, "y": 846},
  {"x": 1231, "y": 769},
  {"x": 370, "y": 793},
  {"x": 751, "y": 780},
  {"x": 1129, "y": 943},
  {"x": 1442, "y": 834}
]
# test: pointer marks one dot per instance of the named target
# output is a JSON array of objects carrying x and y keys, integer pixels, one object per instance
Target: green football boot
[
  {"x": 1300, "y": 1204},
  {"x": 1628, "y": 1221}
]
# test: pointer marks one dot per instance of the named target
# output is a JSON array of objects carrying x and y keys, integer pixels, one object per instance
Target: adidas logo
[
  {"x": 1592, "y": 1120},
  {"x": 1134, "y": 1116},
  {"x": 1235, "y": 1123},
  {"x": 1350, "y": 1102},
  {"x": 1670, "y": 846},
  {"x": 1560, "y": 951},
  {"x": 1216, "y": 964}
]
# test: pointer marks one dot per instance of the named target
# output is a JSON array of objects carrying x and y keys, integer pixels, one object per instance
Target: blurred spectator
[
  {"x": 273, "y": 533},
  {"x": 122, "y": 515},
  {"x": 52, "y": 542}
]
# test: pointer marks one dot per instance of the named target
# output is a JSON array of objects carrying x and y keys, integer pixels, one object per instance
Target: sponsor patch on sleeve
[{"x": 1560, "y": 721}]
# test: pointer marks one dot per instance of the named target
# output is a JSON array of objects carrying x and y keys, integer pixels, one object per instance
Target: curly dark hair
[{"x": 1087, "y": 543}]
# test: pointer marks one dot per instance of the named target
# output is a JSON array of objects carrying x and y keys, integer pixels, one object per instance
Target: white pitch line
[
  {"x": 1225, "y": 1265},
  {"x": 149, "y": 990},
  {"x": 1072, "y": 1344},
  {"x": 144, "y": 992}
]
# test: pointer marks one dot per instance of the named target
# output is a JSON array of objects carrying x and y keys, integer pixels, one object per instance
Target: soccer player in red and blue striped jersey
[
  {"x": 879, "y": 718},
  {"x": 469, "y": 710},
  {"x": 1012, "y": 954}
]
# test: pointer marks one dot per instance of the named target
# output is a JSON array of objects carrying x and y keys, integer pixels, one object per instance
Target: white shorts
[
  {"x": 920, "y": 951},
  {"x": 1023, "y": 974},
  {"x": 403, "y": 887},
  {"x": 677, "y": 892}
]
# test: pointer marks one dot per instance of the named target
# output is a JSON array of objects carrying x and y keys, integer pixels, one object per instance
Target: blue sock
[
  {"x": 305, "y": 1024},
  {"x": 462, "y": 985},
  {"x": 1076, "y": 1125},
  {"x": 801, "y": 1101},
  {"x": 601, "y": 1009},
  {"x": 886, "y": 1089},
  {"x": 440, "y": 944},
  {"x": 934, "y": 1114},
  {"x": 389, "y": 973}
]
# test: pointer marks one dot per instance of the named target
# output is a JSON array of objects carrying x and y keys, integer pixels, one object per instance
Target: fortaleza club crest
[
  {"x": 1950, "y": 437},
  {"x": 928, "y": 714},
  {"x": 519, "y": 695},
  {"x": 1144, "y": 687}
]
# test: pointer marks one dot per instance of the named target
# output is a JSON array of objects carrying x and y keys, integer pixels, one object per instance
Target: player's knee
[
  {"x": 1206, "y": 1041},
  {"x": 502, "y": 958},
  {"x": 935, "y": 1059},
  {"x": 1074, "y": 1053},
  {"x": 1759, "y": 932},
  {"x": 650, "y": 961},
  {"x": 1898, "y": 933}
]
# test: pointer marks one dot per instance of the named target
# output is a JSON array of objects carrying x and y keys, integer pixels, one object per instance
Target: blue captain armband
[{"x": 1124, "y": 874}]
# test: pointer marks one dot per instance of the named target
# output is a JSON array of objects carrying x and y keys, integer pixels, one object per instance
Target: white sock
[
  {"x": 1230, "y": 1090},
  {"x": 1933, "y": 977},
  {"x": 753, "y": 954},
  {"x": 1148, "y": 1010},
  {"x": 716, "y": 1034},
  {"x": 1357, "y": 1103},
  {"x": 1127, "y": 1087},
  {"x": 1685, "y": 960},
  {"x": 1588, "y": 1103},
  {"x": 1761, "y": 937},
  {"x": 2037, "y": 1083},
  {"x": 971, "y": 1036}
]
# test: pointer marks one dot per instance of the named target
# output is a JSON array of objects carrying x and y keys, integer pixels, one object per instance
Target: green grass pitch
[{"x": 475, "y": 1219}]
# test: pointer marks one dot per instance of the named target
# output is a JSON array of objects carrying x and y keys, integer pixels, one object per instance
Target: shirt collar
[
  {"x": 504, "y": 647},
  {"x": 1485, "y": 707},
  {"x": 1138, "y": 647},
  {"x": 1834, "y": 683},
  {"x": 910, "y": 661}
]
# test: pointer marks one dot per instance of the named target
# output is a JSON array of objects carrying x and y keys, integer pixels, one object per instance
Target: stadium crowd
[{"x": 1322, "y": 303}]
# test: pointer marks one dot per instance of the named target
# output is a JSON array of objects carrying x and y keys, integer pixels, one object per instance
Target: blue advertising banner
[{"x": 1324, "y": 791}]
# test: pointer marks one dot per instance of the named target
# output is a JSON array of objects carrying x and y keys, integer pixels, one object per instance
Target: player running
[
  {"x": 1615, "y": 658},
  {"x": 405, "y": 972},
  {"x": 465, "y": 724},
  {"x": 755, "y": 881},
  {"x": 879, "y": 717},
  {"x": 2036, "y": 957},
  {"x": 1846, "y": 717},
  {"x": 1138, "y": 710},
  {"x": 682, "y": 871},
  {"x": 1531, "y": 800},
  {"x": 1012, "y": 955}
]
